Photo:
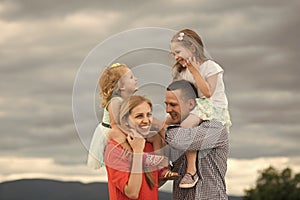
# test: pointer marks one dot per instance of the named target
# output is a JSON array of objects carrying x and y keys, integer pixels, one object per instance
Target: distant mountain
[{"x": 43, "y": 189}]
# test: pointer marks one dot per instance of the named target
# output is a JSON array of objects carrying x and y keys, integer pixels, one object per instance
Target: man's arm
[{"x": 208, "y": 135}]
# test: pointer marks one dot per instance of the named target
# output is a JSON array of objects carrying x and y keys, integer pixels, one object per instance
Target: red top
[{"x": 118, "y": 166}]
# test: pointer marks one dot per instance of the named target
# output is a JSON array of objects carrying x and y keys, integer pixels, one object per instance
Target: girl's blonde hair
[
  {"x": 192, "y": 41},
  {"x": 108, "y": 81},
  {"x": 127, "y": 106}
]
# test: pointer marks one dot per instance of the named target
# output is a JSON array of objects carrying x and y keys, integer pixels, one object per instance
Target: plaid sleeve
[{"x": 208, "y": 135}]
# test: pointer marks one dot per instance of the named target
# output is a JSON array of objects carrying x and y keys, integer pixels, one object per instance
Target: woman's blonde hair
[
  {"x": 108, "y": 81},
  {"x": 127, "y": 106}
]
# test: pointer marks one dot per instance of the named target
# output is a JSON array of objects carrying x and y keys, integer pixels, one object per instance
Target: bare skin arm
[
  {"x": 114, "y": 110},
  {"x": 206, "y": 87},
  {"x": 133, "y": 186},
  {"x": 156, "y": 125}
]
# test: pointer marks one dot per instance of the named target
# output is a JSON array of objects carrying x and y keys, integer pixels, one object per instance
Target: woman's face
[{"x": 141, "y": 118}]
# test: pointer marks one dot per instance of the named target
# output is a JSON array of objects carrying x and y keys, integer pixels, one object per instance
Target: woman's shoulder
[
  {"x": 114, "y": 140},
  {"x": 115, "y": 134}
]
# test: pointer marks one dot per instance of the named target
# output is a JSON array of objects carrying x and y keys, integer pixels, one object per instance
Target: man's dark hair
[{"x": 188, "y": 89}]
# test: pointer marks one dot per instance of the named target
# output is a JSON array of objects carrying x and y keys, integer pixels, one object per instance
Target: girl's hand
[
  {"x": 136, "y": 141},
  {"x": 182, "y": 61},
  {"x": 192, "y": 63}
]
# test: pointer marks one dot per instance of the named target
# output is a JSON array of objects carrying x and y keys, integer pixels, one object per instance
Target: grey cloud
[
  {"x": 38, "y": 68},
  {"x": 263, "y": 140},
  {"x": 34, "y": 9}
]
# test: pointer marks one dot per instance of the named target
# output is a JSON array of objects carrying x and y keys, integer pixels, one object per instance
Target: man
[{"x": 209, "y": 139}]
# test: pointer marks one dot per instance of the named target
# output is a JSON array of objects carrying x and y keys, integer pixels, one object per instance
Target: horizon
[
  {"x": 54, "y": 180},
  {"x": 87, "y": 175}
]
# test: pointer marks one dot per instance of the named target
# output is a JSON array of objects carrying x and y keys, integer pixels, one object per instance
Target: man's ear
[{"x": 191, "y": 103}]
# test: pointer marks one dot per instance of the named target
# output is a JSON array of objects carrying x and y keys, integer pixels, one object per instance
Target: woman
[{"x": 127, "y": 178}]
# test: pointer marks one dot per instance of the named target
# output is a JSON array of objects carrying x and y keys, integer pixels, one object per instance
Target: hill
[{"x": 37, "y": 189}]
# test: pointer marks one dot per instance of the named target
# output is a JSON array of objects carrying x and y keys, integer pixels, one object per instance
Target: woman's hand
[
  {"x": 136, "y": 141},
  {"x": 133, "y": 186}
]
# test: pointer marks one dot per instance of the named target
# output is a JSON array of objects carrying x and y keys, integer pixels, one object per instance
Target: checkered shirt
[{"x": 210, "y": 140}]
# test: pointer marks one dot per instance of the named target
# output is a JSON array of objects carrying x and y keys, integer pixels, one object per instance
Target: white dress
[{"x": 99, "y": 141}]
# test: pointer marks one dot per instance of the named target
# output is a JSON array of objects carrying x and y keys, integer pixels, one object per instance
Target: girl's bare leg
[{"x": 191, "y": 157}]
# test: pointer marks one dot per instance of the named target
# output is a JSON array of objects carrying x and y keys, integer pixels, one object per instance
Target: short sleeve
[
  {"x": 118, "y": 178},
  {"x": 118, "y": 165},
  {"x": 210, "y": 68}
]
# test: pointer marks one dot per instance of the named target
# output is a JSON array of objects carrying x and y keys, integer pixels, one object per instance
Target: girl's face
[
  {"x": 180, "y": 52},
  {"x": 141, "y": 118},
  {"x": 129, "y": 82}
]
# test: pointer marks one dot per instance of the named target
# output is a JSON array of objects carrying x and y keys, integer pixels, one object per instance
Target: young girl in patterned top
[{"x": 193, "y": 65}]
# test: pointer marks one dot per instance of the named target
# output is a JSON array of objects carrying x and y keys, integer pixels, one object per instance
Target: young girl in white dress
[{"x": 193, "y": 65}]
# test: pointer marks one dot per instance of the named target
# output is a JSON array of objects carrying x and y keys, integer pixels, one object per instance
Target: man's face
[{"x": 176, "y": 106}]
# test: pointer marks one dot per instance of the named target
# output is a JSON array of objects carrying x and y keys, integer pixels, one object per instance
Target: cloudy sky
[{"x": 44, "y": 44}]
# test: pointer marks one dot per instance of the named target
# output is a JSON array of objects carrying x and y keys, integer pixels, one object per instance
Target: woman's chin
[{"x": 144, "y": 132}]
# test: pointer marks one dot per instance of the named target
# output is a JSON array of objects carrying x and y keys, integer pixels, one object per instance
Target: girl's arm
[
  {"x": 191, "y": 121},
  {"x": 157, "y": 125},
  {"x": 114, "y": 110},
  {"x": 133, "y": 186},
  {"x": 206, "y": 87}
]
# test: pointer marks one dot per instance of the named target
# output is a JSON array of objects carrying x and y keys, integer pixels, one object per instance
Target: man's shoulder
[{"x": 173, "y": 126}]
